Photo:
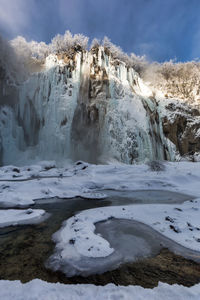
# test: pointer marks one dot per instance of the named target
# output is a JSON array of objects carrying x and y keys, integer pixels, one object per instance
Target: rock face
[
  {"x": 182, "y": 127},
  {"x": 87, "y": 105}
]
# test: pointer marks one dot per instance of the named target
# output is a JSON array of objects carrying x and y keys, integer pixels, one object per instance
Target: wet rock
[
  {"x": 72, "y": 241},
  {"x": 175, "y": 228},
  {"x": 85, "y": 167},
  {"x": 79, "y": 163},
  {"x": 63, "y": 122},
  {"x": 177, "y": 208},
  {"x": 169, "y": 219},
  {"x": 16, "y": 170},
  {"x": 156, "y": 166},
  {"x": 49, "y": 167},
  {"x": 90, "y": 248}
]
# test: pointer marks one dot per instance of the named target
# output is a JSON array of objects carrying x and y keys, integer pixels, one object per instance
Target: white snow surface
[
  {"x": 38, "y": 289},
  {"x": 20, "y": 217},
  {"x": 90, "y": 181}
]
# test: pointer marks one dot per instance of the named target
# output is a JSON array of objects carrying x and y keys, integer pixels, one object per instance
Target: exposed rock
[
  {"x": 156, "y": 166},
  {"x": 182, "y": 127}
]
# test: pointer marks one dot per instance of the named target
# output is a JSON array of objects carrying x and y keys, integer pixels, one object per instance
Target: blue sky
[{"x": 161, "y": 29}]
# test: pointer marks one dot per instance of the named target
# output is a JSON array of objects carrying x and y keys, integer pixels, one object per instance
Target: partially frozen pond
[
  {"x": 133, "y": 240},
  {"x": 25, "y": 249},
  {"x": 145, "y": 196}
]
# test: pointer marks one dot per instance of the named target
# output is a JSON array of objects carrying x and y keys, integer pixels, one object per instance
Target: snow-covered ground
[
  {"x": 37, "y": 289},
  {"x": 21, "y": 216},
  {"x": 22, "y": 186},
  {"x": 90, "y": 181}
]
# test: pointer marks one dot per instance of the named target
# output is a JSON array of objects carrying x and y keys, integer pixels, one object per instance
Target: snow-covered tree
[
  {"x": 95, "y": 43},
  {"x": 116, "y": 51},
  {"x": 11, "y": 65},
  {"x": 81, "y": 41},
  {"x": 64, "y": 43},
  {"x": 57, "y": 44}
]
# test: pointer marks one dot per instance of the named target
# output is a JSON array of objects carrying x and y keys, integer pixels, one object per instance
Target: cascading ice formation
[{"x": 87, "y": 107}]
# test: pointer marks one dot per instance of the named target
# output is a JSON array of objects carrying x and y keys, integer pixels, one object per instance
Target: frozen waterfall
[{"x": 89, "y": 107}]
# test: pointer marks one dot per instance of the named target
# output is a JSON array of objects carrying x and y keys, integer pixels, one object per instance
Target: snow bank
[
  {"x": 19, "y": 217},
  {"x": 38, "y": 289},
  {"x": 90, "y": 181},
  {"x": 41, "y": 169}
]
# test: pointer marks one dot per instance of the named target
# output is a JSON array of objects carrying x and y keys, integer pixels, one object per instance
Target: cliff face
[
  {"x": 181, "y": 125},
  {"x": 89, "y": 106}
]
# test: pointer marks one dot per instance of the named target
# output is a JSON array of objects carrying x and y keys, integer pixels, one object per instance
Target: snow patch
[
  {"x": 38, "y": 289},
  {"x": 90, "y": 181},
  {"x": 14, "y": 217}
]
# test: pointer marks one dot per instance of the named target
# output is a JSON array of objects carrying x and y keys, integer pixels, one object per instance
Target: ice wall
[
  {"x": 117, "y": 117},
  {"x": 89, "y": 107}
]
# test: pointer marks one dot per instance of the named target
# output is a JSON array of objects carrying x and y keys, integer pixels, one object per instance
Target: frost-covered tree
[
  {"x": 22, "y": 48},
  {"x": 11, "y": 65},
  {"x": 67, "y": 40},
  {"x": 29, "y": 54},
  {"x": 57, "y": 44},
  {"x": 81, "y": 41},
  {"x": 64, "y": 43},
  {"x": 139, "y": 63},
  {"x": 19, "y": 57},
  {"x": 116, "y": 51},
  {"x": 95, "y": 43},
  {"x": 39, "y": 50},
  {"x": 31, "y": 49}
]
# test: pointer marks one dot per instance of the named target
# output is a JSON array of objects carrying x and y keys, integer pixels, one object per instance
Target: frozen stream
[
  {"x": 133, "y": 240},
  {"x": 145, "y": 196},
  {"x": 26, "y": 248}
]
